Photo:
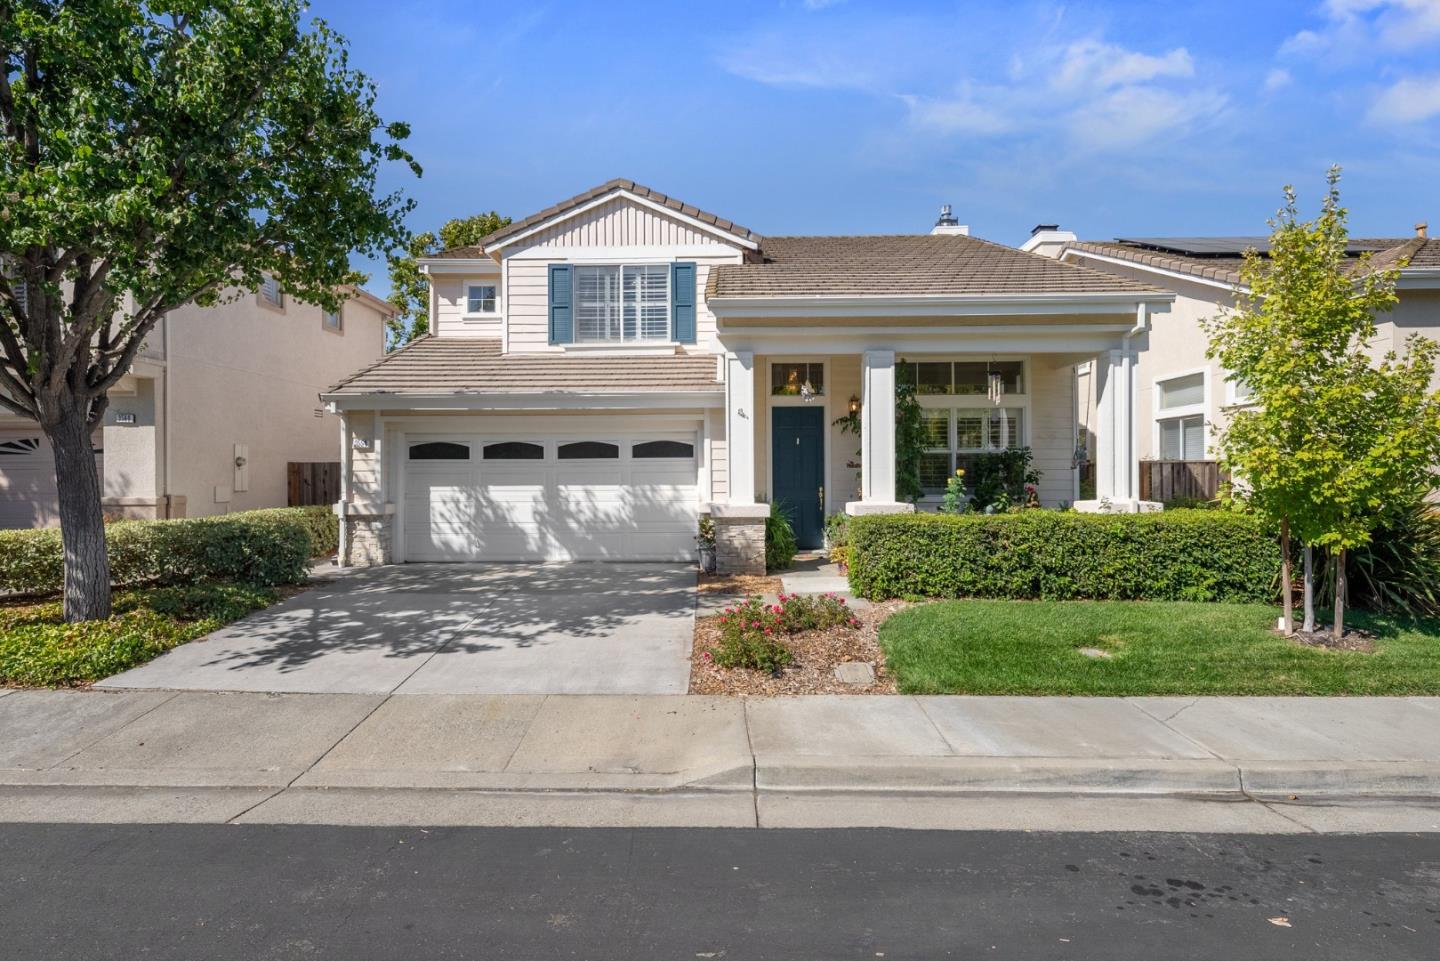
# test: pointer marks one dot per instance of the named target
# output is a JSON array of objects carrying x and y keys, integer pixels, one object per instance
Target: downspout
[
  {"x": 341, "y": 552},
  {"x": 167, "y": 493}
]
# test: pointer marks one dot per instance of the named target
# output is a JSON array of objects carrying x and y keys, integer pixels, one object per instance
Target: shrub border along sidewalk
[
  {"x": 1180, "y": 555},
  {"x": 272, "y": 546}
]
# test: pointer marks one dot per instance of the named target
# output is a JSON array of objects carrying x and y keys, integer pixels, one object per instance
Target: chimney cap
[
  {"x": 1039, "y": 227},
  {"x": 1422, "y": 229},
  {"x": 947, "y": 219}
]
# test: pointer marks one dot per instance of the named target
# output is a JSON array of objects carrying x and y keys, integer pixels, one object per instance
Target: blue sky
[{"x": 846, "y": 116}]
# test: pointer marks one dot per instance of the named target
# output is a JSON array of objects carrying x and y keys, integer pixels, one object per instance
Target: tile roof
[
  {"x": 579, "y": 200},
  {"x": 905, "y": 264},
  {"x": 1225, "y": 268},
  {"x": 452, "y": 365}
]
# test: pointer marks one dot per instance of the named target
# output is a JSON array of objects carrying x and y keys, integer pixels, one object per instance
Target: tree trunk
[
  {"x": 82, "y": 523},
  {"x": 1309, "y": 625},
  {"x": 1287, "y": 598},
  {"x": 1339, "y": 594}
]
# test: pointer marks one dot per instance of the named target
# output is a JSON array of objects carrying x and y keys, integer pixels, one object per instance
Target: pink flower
[
  {"x": 706, "y": 655},
  {"x": 842, "y": 600},
  {"x": 768, "y": 631}
]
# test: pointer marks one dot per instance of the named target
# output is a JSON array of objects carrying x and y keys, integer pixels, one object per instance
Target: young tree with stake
[
  {"x": 154, "y": 154},
  {"x": 1334, "y": 439}
]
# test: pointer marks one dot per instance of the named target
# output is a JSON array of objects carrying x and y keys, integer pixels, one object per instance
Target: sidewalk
[{"x": 1234, "y": 764}]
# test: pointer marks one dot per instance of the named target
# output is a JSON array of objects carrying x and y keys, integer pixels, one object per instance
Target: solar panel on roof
[{"x": 1236, "y": 246}]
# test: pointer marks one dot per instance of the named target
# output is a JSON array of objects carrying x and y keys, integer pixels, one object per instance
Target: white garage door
[
  {"x": 27, "y": 481},
  {"x": 604, "y": 497}
]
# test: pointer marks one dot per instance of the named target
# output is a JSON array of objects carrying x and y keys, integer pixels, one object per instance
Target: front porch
[{"x": 810, "y": 423}]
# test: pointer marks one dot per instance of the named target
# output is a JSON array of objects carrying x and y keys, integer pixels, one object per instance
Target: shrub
[
  {"x": 752, "y": 634},
  {"x": 256, "y": 547},
  {"x": 780, "y": 546},
  {"x": 837, "y": 537},
  {"x": 1399, "y": 570},
  {"x": 1051, "y": 555},
  {"x": 998, "y": 479},
  {"x": 38, "y": 649},
  {"x": 320, "y": 522}
]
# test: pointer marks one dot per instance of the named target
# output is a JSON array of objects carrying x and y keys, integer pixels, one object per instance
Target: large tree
[
  {"x": 410, "y": 289},
  {"x": 156, "y": 154},
  {"x": 1336, "y": 439}
]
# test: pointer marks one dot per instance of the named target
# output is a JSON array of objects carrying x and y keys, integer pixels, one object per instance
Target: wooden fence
[
  {"x": 1168, "y": 480},
  {"x": 313, "y": 483}
]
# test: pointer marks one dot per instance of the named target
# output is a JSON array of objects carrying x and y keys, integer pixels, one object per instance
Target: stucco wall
[{"x": 242, "y": 373}]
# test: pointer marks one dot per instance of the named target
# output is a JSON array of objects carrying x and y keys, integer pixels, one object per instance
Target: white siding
[
  {"x": 450, "y": 320},
  {"x": 619, "y": 222}
]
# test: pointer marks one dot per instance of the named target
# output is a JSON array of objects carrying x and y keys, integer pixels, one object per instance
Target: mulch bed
[
  {"x": 1362, "y": 642},
  {"x": 813, "y": 669},
  {"x": 739, "y": 584}
]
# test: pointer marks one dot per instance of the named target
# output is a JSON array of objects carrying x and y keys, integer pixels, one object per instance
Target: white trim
[
  {"x": 877, "y": 426},
  {"x": 931, "y": 305},
  {"x": 621, "y": 348},
  {"x": 1419, "y": 278},
  {"x": 1070, "y": 252},
  {"x": 1201, "y": 410},
  {"x": 1083, "y": 341},
  {"x": 740, "y": 426},
  {"x": 606, "y": 198},
  {"x": 458, "y": 265},
  {"x": 467, "y": 314},
  {"x": 528, "y": 401},
  {"x": 630, "y": 253}
]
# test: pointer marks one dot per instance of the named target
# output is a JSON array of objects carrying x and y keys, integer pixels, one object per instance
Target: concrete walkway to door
[{"x": 453, "y": 629}]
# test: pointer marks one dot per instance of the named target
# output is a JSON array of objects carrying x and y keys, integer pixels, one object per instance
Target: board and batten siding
[{"x": 616, "y": 231}]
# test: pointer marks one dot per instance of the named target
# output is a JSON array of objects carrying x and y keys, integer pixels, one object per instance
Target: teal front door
[{"x": 797, "y": 464}]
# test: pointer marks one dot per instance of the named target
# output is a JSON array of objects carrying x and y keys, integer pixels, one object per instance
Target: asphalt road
[{"x": 357, "y": 894}]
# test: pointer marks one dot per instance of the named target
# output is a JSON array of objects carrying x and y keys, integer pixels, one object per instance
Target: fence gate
[
  {"x": 1166, "y": 480},
  {"x": 313, "y": 482}
]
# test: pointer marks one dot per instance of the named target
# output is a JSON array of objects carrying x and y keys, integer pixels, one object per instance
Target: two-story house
[
  {"x": 217, "y": 404},
  {"x": 602, "y": 373}
]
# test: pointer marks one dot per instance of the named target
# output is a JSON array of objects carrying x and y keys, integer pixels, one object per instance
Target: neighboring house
[
  {"x": 219, "y": 401},
  {"x": 1182, "y": 396},
  {"x": 605, "y": 371}
]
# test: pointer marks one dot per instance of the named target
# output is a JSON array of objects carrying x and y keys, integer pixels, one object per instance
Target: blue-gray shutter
[
  {"x": 562, "y": 317},
  {"x": 682, "y": 287}
]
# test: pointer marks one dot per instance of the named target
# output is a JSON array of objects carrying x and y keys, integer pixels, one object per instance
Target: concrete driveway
[{"x": 453, "y": 628}]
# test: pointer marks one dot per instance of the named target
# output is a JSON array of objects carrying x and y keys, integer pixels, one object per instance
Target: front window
[
  {"x": 1180, "y": 416},
  {"x": 967, "y": 408},
  {"x": 480, "y": 299},
  {"x": 622, "y": 303},
  {"x": 797, "y": 380},
  {"x": 1182, "y": 438},
  {"x": 270, "y": 292},
  {"x": 331, "y": 319}
]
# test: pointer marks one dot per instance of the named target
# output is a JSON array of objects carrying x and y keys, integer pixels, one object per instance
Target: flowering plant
[{"x": 753, "y": 634}]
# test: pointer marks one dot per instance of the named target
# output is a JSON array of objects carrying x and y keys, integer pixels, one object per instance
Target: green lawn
[
  {"x": 1032, "y": 647},
  {"x": 38, "y": 649}
]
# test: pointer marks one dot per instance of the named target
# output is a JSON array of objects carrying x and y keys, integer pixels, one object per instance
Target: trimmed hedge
[
  {"x": 254, "y": 547},
  {"x": 1181, "y": 555}
]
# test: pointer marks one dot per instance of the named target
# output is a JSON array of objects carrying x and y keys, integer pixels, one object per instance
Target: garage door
[
  {"x": 27, "y": 481},
  {"x": 625, "y": 497}
]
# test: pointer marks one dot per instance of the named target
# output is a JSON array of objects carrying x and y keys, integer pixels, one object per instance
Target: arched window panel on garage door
[
  {"x": 589, "y": 450},
  {"x": 513, "y": 450},
  {"x": 656, "y": 449},
  {"x": 439, "y": 450}
]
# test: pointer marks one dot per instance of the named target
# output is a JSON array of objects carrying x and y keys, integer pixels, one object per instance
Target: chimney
[
  {"x": 1422, "y": 229},
  {"x": 947, "y": 224},
  {"x": 1048, "y": 240}
]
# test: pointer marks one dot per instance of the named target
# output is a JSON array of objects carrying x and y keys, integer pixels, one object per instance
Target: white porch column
[
  {"x": 877, "y": 436},
  {"x": 877, "y": 427},
  {"x": 1117, "y": 470},
  {"x": 740, "y": 425}
]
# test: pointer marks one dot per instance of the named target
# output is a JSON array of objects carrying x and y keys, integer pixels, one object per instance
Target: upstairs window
[
  {"x": 271, "y": 293},
  {"x": 331, "y": 320},
  {"x": 622, "y": 303},
  {"x": 480, "y": 298}
]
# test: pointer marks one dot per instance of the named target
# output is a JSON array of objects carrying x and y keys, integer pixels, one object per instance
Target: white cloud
[
  {"x": 957, "y": 115},
  {"x": 1278, "y": 79},
  {"x": 1089, "y": 64},
  {"x": 1355, "y": 28},
  {"x": 1134, "y": 115},
  {"x": 1410, "y": 100}
]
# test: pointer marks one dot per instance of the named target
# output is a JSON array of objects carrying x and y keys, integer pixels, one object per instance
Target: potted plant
[{"x": 706, "y": 541}]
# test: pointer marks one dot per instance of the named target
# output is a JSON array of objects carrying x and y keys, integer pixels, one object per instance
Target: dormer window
[
  {"x": 622, "y": 303},
  {"x": 480, "y": 298}
]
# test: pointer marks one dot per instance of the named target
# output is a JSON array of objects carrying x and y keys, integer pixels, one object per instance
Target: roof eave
[
  {"x": 526, "y": 400},
  {"x": 931, "y": 305},
  {"x": 458, "y": 265}
]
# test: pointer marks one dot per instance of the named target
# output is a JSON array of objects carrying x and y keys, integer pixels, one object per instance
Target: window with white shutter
[{"x": 616, "y": 303}]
